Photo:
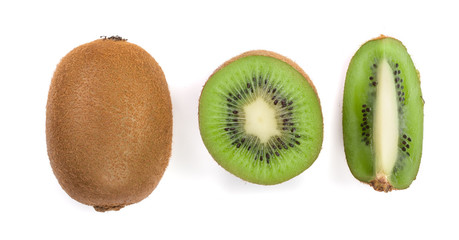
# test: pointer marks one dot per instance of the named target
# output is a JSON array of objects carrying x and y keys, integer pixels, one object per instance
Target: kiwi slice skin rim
[
  {"x": 253, "y": 175},
  {"x": 359, "y": 112}
]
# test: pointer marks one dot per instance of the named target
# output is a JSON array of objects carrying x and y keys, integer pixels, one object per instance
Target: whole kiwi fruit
[
  {"x": 383, "y": 112},
  {"x": 260, "y": 118},
  {"x": 108, "y": 123}
]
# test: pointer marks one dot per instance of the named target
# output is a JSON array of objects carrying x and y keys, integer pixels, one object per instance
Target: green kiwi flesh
[
  {"x": 260, "y": 118},
  {"x": 383, "y": 115}
]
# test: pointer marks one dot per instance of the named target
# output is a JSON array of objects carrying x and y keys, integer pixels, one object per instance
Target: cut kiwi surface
[
  {"x": 383, "y": 115},
  {"x": 260, "y": 118}
]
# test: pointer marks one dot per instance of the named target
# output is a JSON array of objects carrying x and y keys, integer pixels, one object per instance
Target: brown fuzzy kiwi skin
[
  {"x": 108, "y": 124},
  {"x": 267, "y": 54}
]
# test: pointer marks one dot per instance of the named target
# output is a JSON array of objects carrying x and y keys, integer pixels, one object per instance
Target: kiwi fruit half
[
  {"x": 260, "y": 118},
  {"x": 108, "y": 123},
  {"x": 383, "y": 115}
]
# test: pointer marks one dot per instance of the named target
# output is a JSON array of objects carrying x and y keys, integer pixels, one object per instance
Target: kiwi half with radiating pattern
[
  {"x": 260, "y": 118},
  {"x": 383, "y": 115}
]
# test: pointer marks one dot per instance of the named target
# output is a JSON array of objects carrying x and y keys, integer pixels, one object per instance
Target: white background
[{"x": 197, "y": 199}]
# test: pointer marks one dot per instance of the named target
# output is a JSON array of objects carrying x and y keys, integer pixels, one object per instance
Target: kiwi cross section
[
  {"x": 261, "y": 87},
  {"x": 261, "y": 119},
  {"x": 383, "y": 115}
]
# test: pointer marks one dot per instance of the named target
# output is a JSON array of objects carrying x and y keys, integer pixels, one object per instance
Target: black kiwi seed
[{"x": 284, "y": 104}]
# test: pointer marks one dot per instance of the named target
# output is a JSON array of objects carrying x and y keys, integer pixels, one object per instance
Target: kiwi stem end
[
  {"x": 108, "y": 208},
  {"x": 113, "y": 38},
  {"x": 381, "y": 184}
]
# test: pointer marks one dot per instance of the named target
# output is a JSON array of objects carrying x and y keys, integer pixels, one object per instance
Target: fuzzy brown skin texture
[{"x": 108, "y": 124}]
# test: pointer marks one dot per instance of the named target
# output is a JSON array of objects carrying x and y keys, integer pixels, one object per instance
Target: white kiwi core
[
  {"x": 260, "y": 120},
  {"x": 385, "y": 135}
]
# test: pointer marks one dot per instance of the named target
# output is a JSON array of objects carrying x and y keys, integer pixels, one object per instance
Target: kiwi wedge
[
  {"x": 383, "y": 115},
  {"x": 260, "y": 118},
  {"x": 108, "y": 123}
]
